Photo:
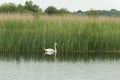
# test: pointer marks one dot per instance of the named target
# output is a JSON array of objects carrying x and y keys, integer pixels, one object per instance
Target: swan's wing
[{"x": 49, "y": 50}]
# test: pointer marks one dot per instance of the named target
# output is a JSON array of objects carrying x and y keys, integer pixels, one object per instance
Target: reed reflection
[{"x": 24, "y": 56}]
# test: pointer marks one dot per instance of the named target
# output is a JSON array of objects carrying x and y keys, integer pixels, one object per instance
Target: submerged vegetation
[{"x": 71, "y": 32}]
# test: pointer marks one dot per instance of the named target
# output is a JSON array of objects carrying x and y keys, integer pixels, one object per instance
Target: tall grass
[{"x": 72, "y": 33}]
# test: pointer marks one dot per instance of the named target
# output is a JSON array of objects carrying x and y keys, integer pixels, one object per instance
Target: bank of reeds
[{"x": 71, "y": 32}]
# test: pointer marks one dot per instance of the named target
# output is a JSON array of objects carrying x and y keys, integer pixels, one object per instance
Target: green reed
[{"x": 72, "y": 33}]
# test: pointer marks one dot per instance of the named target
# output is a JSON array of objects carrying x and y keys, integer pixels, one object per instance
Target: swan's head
[{"x": 55, "y": 43}]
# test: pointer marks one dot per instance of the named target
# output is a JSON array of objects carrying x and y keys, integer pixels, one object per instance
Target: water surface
[{"x": 69, "y": 66}]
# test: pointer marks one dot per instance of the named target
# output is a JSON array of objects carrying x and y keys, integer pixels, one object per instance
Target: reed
[{"x": 71, "y": 32}]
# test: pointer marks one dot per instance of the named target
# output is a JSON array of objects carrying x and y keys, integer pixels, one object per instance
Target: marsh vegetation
[{"x": 72, "y": 33}]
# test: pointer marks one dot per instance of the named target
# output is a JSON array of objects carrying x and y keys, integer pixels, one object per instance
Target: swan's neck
[{"x": 55, "y": 49}]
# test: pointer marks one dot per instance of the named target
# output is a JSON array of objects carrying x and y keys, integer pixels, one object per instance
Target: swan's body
[{"x": 50, "y": 51}]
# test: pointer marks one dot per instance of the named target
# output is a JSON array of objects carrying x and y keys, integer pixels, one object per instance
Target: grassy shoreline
[{"x": 71, "y": 32}]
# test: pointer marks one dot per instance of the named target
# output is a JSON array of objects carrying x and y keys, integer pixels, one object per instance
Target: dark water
[{"x": 65, "y": 66}]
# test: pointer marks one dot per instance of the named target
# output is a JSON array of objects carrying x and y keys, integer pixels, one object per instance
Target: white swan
[{"x": 50, "y": 51}]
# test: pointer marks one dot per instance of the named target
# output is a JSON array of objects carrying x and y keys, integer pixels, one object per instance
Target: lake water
[{"x": 75, "y": 66}]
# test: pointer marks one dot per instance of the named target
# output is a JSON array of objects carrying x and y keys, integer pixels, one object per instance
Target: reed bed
[{"x": 71, "y": 32}]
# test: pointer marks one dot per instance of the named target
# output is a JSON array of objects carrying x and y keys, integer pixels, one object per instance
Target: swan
[{"x": 50, "y": 51}]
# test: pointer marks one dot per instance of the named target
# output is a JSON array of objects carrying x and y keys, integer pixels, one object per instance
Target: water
[{"x": 75, "y": 66}]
